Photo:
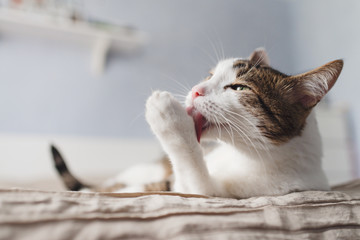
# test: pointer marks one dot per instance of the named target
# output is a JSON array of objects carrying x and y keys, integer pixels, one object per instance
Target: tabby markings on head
[{"x": 280, "y": 119}]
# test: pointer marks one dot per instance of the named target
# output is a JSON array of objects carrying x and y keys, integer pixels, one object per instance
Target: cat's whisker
[
  {"x": 235, "y": 115},
  {"x": 209, "y": 53},
  {"x": 228, "y": 124},
  {"x": 257, "y": 62},
  {"x": 259, "y": 139},
  {"x": 182, "y": 90},
  {"x": 136, "y": 118},
  {"x": 221, "y": 125},
  {"x": 217, "y": 124},
  {"x": 262, "y": 145},
  {"x": 253, "y": 145},
  {"x": 183, "y": 86},
  {"x": 242, "y": 134},
  {"x": 232, "y": 133},
  {"x": 261, "y": 58},
  {"x": 246, "y": 119},
  {"x": 217, "y": 55},
  {"x": 221, "y": 50},
  {"x": 212, "y": 59},
  {"x": 226, "y": 129},
  {"x": 224, "y": 126},
  {"x": 218, "y": 128},
  {"x": 181, "y": 96}
]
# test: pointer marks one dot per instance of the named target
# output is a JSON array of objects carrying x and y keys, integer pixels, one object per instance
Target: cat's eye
[
  {"x": 240, "y": 65},
  {"x": 239, "y": 87}
]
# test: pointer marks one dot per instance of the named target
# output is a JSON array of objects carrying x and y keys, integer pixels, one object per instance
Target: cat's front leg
[{"x": 176, "y": 132}]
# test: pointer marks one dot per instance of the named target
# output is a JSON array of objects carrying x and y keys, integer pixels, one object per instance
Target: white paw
[{"x": 167, "y": 117}]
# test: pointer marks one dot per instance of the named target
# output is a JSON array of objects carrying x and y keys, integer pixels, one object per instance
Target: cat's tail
[{"x": 68, "y": 179}]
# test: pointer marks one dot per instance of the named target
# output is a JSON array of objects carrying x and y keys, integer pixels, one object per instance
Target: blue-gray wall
[
  {"x": 46, "y": 86},
  {"x": 325, "y": 30}
]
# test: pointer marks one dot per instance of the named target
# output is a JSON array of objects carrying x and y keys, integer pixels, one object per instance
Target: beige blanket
[{"x": 30, "y": 214}]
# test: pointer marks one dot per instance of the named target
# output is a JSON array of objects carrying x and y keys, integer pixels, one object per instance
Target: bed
[{"x": 35, "y": 214}]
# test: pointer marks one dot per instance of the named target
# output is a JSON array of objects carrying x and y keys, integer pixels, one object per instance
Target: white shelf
[{"x": 101, "y": 38}]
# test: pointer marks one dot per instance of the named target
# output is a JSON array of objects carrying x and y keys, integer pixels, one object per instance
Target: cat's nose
[{"x": 197, "y": 91}]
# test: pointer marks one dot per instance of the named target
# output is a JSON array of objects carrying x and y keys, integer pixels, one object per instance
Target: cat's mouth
[{"x": 201, "y": 123}]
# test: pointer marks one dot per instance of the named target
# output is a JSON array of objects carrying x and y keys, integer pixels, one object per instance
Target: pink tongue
[{"x": 199, "y": 122}]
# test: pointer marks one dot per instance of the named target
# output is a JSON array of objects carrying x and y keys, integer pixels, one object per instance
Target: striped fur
[
  {"x": 73, "y": 184},
  {"x": 67, "y": 177},
  {"x": 280, "y": 102}
]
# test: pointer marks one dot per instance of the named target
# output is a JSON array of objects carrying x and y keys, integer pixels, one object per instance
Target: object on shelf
[{"x": 54, "y": 20}]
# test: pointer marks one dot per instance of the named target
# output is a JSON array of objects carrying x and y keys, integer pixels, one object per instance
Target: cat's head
[{"x": 247, "y": 101}]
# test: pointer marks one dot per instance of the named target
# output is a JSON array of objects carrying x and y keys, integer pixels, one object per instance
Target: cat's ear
[
  {"x": 259, "y": 57},
  {"x": 310, "y": 87}
]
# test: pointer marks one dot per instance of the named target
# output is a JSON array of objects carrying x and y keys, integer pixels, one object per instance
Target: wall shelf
[{"x": 100, "y": 37}]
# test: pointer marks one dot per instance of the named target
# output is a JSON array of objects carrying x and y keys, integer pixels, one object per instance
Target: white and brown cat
[{"x": 246, "y": 130}]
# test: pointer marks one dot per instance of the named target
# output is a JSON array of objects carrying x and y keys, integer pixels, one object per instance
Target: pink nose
[{"x": 197, "y": 91}]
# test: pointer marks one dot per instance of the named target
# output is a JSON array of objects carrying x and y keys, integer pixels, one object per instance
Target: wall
[
  {"x": 46, "y": 86},
  {"x": 325, "y": 30},
  {"x": 47, "y": 92}
]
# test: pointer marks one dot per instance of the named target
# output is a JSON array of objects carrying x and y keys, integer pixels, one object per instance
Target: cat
[{"x": 247, "y": 130}]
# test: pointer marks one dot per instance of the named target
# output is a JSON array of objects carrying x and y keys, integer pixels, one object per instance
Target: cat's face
[{"x": 246, "y": 101}]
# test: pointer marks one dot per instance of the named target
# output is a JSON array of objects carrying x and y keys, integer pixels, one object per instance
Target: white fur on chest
[
  {"x": 225, "y": 161},
  {"x": 293, "y": 166}
]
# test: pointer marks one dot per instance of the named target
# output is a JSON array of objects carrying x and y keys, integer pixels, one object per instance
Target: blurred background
[{"x": 77, "y": 74}]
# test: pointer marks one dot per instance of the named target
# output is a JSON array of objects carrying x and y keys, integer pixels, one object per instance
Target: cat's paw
[{"x": 167, "y": 117}]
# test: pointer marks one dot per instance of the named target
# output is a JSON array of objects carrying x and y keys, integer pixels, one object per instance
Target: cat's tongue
[{"x": 199, "y": 123}]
